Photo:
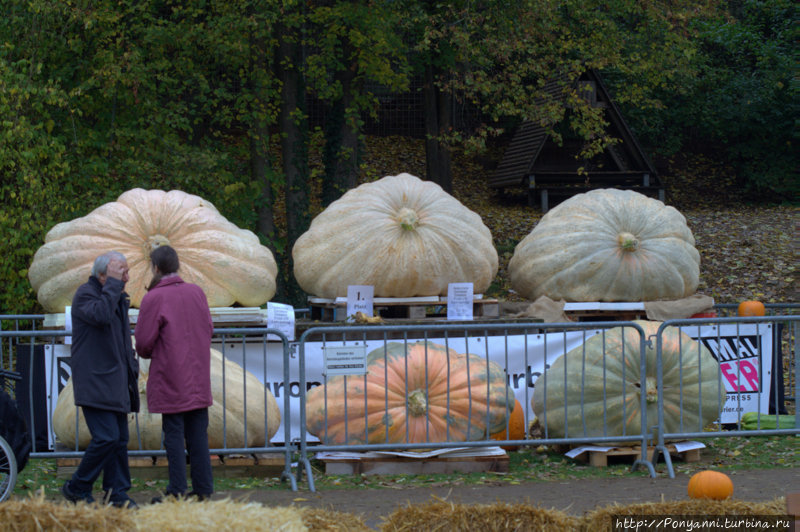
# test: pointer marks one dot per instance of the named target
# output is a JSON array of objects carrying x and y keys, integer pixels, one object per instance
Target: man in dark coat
[{"x": 103, "y": 366}]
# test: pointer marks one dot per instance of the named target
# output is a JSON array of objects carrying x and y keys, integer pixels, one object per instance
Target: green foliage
[
  {"x": 100, "y": 97},
  {"x": 739, "y": 98},
  {"x": 33, "y": 170}
]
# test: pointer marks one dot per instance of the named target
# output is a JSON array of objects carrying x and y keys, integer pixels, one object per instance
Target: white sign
[
  {"x": 280, "y": 316},
  {"x": 345, "y": 360},
  {"x": 744, "y": 353},
  {"x": 57, "y": 371},
  {"x": 359, "y": 299},
  {"x": 459, "y": 301}
]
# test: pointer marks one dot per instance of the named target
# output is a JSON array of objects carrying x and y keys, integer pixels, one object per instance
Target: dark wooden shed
[{"x": 548, "y": 171}]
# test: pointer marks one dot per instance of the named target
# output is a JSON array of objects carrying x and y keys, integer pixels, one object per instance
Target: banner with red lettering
[{"x": 744, "y": 353}]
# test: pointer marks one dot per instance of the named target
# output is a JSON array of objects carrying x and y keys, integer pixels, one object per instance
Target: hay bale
[
  {"x": 602, "y": 518},
  {"x": 323, "y": 520},
  {"x": 498, "y": 517},
  {"x": 182, "y": 515},
  {"x": 35, "y": 513}
]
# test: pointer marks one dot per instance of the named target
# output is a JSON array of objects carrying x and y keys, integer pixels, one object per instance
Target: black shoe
[
  {"x": 159, "y": 499},
  {"x": 125, "y": 503},
  {"x": 74, "y": 497},
  {"x": 197, "y": 496}
]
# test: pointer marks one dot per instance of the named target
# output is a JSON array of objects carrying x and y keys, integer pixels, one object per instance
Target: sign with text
[
  {"x": 744, "y": 353},
  {"x": 280, "y": 316},
  {"x": 459, "y": 301},
  {"x": 345, "y": 360},
  {"x": 359, "y": 299}
]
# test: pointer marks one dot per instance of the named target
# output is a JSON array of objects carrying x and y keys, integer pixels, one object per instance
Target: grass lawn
[{"x": 526, "y": 465}]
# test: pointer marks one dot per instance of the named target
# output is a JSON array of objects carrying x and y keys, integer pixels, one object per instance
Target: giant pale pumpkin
[
  {"x": 227, "y": 262},
  {"x": 595, "y": 389},
  {"x": 404, "y": 236},
  {"x": 607, "y": 245},
  {"x": 412, "y": 393},
  {"x": 263, "y": 415}
]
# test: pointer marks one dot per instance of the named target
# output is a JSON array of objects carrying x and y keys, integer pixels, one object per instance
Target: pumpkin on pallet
[
  {"x": 607, "y": 245},
  {"x": 412, "y": 393},
  {"x": 227, "y": 262},
  {"x": 263, "y": 415},
  {"x": 595, "y": 390},
  {"x": 404, "y": 236}
]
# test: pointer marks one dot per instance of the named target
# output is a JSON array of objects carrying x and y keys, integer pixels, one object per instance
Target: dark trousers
[
  {"x": 190, "y": 428},
  {"x": 107, "y": 453}
]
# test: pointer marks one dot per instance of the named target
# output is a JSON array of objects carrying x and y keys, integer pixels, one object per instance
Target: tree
[
  {"x": 498, "y": 58},
  {"x": 352, "y": 46},
  {"x": 740, "y": 99}
]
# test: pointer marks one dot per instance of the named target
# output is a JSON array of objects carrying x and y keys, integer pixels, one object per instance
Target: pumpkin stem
[
  {"x": 651, "y": 390},
  {"x": 628, "y": 242},
  {"x": 417, "y": 403},
  {"x": 408, "y": 219},
  {"x": 154, "y": 241}
]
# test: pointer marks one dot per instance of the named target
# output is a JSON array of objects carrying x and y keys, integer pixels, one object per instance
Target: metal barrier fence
[
  {"x": 604, "y": 393},
  {"x": 243, "y": 419},
  {"x": 754, "y": 385},
  {"x": 735, "y": 361},
  {"x": 415, "y": 378}
]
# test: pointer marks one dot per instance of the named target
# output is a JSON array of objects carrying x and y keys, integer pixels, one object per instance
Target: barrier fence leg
[{"x": 307, "y": 463}]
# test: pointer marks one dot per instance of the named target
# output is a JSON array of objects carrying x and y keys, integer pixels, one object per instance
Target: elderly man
[{"x": 103, "y": 366}]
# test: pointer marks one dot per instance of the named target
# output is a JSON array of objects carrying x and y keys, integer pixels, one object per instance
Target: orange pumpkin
[
  {"x": 710, "y": 485},
  {"x": 413, "y": 393},
  {"x": 516, "y": 427},
  {"x": 751, "y": 308}
]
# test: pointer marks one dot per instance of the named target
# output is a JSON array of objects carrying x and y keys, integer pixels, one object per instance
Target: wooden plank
[
  {"x": 597, "y": 458},
  {"x": 401, "y": 309},
  {"x": 152, "y": 467},
  {"x": 221, "y": 316},
  {"x": 410, "y": 466}
]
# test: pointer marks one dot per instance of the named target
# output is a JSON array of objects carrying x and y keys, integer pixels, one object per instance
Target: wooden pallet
[
  {"x": 605, "y": 311},
  {"x": 629, "y": 454},
  {"x": 397, "y": 465},
  {"x": 155, "y": 467},
  {"x": 402, "y": 308}
]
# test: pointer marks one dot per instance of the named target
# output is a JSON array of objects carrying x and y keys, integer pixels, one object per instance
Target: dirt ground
[{"x": 574, "y": 497}]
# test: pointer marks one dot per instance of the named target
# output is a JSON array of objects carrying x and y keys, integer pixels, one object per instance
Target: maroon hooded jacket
[{"x": 174, "y": 330}]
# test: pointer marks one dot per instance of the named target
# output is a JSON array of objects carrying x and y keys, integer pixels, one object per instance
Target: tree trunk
[
  {"x": 261, "y": 170},
  {"x": 294, "y": 142},
  {"x": 438, "y": 120},
  {"x": 341, "y": 156}
]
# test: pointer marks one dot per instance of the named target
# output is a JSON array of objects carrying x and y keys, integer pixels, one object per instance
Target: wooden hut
[{"x": 548, "y": 172}]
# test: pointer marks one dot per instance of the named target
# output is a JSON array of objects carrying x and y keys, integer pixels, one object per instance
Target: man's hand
[{"x": 117, "y": 269}]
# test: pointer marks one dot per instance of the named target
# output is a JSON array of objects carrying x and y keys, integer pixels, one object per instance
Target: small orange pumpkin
[
  {"x": 710, "y": 485},
  {"x": 516, "y": 427},
  {"x": 751, "y": 308}
]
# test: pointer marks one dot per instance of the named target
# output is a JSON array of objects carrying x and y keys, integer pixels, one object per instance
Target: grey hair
[{"x": 101, "y": 263}]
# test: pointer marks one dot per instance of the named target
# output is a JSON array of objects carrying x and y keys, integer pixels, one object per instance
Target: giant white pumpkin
[
  {"x": 263, "y": 415},
  {"x": 404, "y": 236},
  {"x": 227, "y": 262},
  {"x": 607, "y": 245},
  {"x": 596, "y": 389}
]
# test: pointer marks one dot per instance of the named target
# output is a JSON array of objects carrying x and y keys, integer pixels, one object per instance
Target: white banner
[{"x": 744, "y": 352}]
